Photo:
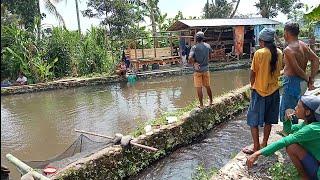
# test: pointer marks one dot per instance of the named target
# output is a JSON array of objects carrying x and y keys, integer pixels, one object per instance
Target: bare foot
[{"x": 262, "y": 145}]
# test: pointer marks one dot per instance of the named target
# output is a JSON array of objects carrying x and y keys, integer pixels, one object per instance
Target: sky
[{"x": 171, "y": 7}]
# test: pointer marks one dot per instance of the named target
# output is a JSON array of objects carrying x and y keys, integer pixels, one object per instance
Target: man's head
[
  {"x": 200, "y": 36},
  {"x": 266, "y": 35},
  {"x": 308, "y": 108},
  {"x": 291, "y": 30},
  {"x": 20, "y": 74}
]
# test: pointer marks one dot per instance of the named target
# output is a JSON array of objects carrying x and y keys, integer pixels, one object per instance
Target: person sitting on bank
[
  {"x": 22, "y": 80},
  {"x": 303, "y": 142},
  {"x": 122, "y": 69},
  {"x": 6, "y": 82}
]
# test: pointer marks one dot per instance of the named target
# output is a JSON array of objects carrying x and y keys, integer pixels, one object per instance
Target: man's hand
[
  {"x": 196, "y": 66},
  {"x": 252, "y": 158},
  {"x": 289, "y": 113},
  {"x": 311, "y": 84}
]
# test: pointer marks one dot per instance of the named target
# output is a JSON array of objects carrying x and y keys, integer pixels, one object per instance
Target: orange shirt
[{"x": 265, "y": 83}]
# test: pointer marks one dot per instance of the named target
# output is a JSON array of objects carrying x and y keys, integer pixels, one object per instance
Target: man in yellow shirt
[{"x": 265, "y": 98}]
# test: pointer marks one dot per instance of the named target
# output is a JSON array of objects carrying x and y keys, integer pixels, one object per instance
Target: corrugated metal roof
[{"x": 181, "y": 24}]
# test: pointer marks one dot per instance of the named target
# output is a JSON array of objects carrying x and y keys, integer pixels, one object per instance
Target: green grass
[
  {"x": 203, "y": 174},
  {"x": 280, "y": 171}
]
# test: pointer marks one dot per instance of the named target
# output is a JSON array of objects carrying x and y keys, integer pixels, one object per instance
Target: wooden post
[
  {"x": 25, "y": 168},
  {"x": 142, "y": 48},
  {"x": 194, "y": 39},
  {"x": 171, "y": 48},
  {"x": 154, "y": 47},
  {"x": 135, "y": 49}
]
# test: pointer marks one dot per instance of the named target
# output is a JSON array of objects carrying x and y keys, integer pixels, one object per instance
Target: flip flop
[{"x": 247, "y": 150}]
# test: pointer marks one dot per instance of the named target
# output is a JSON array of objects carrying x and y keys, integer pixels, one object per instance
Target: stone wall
[
  {"x": 60, "y": 84},
  {"x": 116, "y": 162}
]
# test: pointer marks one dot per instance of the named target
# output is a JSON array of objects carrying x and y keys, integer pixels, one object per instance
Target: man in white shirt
[{"x": 22, "y": 80}]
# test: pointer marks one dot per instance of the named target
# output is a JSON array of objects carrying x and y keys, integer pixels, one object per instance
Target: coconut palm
[{"x": 49, "y": 5}]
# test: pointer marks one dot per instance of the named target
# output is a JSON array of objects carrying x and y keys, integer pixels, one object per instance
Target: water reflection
[{"x": 41, "y": 125}]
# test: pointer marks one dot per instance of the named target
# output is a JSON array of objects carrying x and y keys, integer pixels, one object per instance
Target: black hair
[
  {"x": 274, "y": 54},
  {"x": 292, "y": 28},
  {"x": 311, "y": 117},
  {"x": 199, "y": 39}
]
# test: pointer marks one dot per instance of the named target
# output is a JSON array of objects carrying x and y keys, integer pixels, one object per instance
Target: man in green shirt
[{"x": 303, "y": 142}]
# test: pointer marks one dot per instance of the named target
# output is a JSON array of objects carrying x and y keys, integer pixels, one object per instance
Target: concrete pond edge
[{"x": 116, "y": 162}]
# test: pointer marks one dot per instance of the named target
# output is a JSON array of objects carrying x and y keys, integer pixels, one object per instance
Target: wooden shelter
[
  {"x": 227, "y": 37},
  {"x": 156, "y": 55}
]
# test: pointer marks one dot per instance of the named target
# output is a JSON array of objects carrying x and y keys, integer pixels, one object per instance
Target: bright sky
[{"x": 188, "y": 8}]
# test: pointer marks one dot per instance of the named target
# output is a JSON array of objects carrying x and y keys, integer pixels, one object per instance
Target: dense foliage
[{"x": 60, "y": 53}]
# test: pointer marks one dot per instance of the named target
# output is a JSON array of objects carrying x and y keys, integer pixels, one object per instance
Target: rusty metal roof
[{"x": 189, "y": 23}]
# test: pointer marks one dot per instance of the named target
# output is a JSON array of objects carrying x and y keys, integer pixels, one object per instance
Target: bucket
[{"x": 49, "y": 170}]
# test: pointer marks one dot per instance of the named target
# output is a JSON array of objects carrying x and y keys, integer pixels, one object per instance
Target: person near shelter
[
  {"x": 265, "y": 98},
  {"x": 198, "y": 57},
  {"x": 121, "y": 69},
  {"x": 296, "y": 56},
  {"x": 303, "y": 142}
]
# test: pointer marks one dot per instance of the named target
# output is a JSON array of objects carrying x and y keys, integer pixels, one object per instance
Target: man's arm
[
  {"x": 252, "y": 77},
  {"x": 314, "y": 64},
  {"x": 191, "y": 56},
  {"x": 292, "y": 62}
]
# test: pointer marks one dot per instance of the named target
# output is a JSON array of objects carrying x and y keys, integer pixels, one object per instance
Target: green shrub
[
  {"x": 203, "y": 174},
  {"x": 280, "y": 171}
]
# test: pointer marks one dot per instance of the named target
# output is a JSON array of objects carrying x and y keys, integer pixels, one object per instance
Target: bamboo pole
[
  {"x": 94, "y": 134},
  {"x": 108, "y": 137},
  {"x": 25, "y": 168},
  {"x": 144, "y": 146}
]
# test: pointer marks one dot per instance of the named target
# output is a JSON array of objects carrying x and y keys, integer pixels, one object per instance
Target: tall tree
[
  {"x": 217, "y": 9},
  {"x": 118, "y": 16},
  {"x": 27, "y": 10},
  {"x": 78, "y": 17},
  {"x": 235, "y": 9},
  {"x": 270, "y": 8},
  {"x": 52, "y": 9}
]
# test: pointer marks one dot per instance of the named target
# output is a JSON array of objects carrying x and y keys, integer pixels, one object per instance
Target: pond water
[
  {"x": 219, "y": 146},
  {"x": 38, "y": 126}
]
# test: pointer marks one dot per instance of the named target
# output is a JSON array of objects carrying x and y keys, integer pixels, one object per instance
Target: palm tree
[
  {"x": 49, "y": 5},
  {"x": 78, "y": 17},
  {"x": 235, "y": 10}
]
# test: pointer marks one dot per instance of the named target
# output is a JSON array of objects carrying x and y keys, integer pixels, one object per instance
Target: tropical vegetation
[{"x": 44, "y": 54}]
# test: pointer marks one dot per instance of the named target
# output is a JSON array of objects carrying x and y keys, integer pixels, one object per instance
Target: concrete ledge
[
  {"x": 116, "y": 162},
  {"x": 60, "y": 84}
]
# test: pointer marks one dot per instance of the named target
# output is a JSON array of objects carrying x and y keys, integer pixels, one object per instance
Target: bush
[
  {"x": 280, "y": 171},
  {"x": 60, "y": 45}
]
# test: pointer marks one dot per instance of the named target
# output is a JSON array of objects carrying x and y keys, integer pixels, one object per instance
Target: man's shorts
[
  {"x": 263, "y": 109},
  {"x": 201, "y": 79},
  {"x": 293, "y": 88},
  {"x": 288, "y": 102},
  {"x": 310, "y": 165}
]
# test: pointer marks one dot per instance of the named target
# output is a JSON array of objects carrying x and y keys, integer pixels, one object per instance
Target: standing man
[
  {"x": 198, "y": 57},
  {"x": 296, "y": 56},
  {"x": 265, "y": 98}
]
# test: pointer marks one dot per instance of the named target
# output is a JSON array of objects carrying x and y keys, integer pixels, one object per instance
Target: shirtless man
[{"x": 296, "y": 56}]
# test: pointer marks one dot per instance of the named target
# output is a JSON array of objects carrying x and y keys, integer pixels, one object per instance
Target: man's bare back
[{"x": 296, "y": 57}]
